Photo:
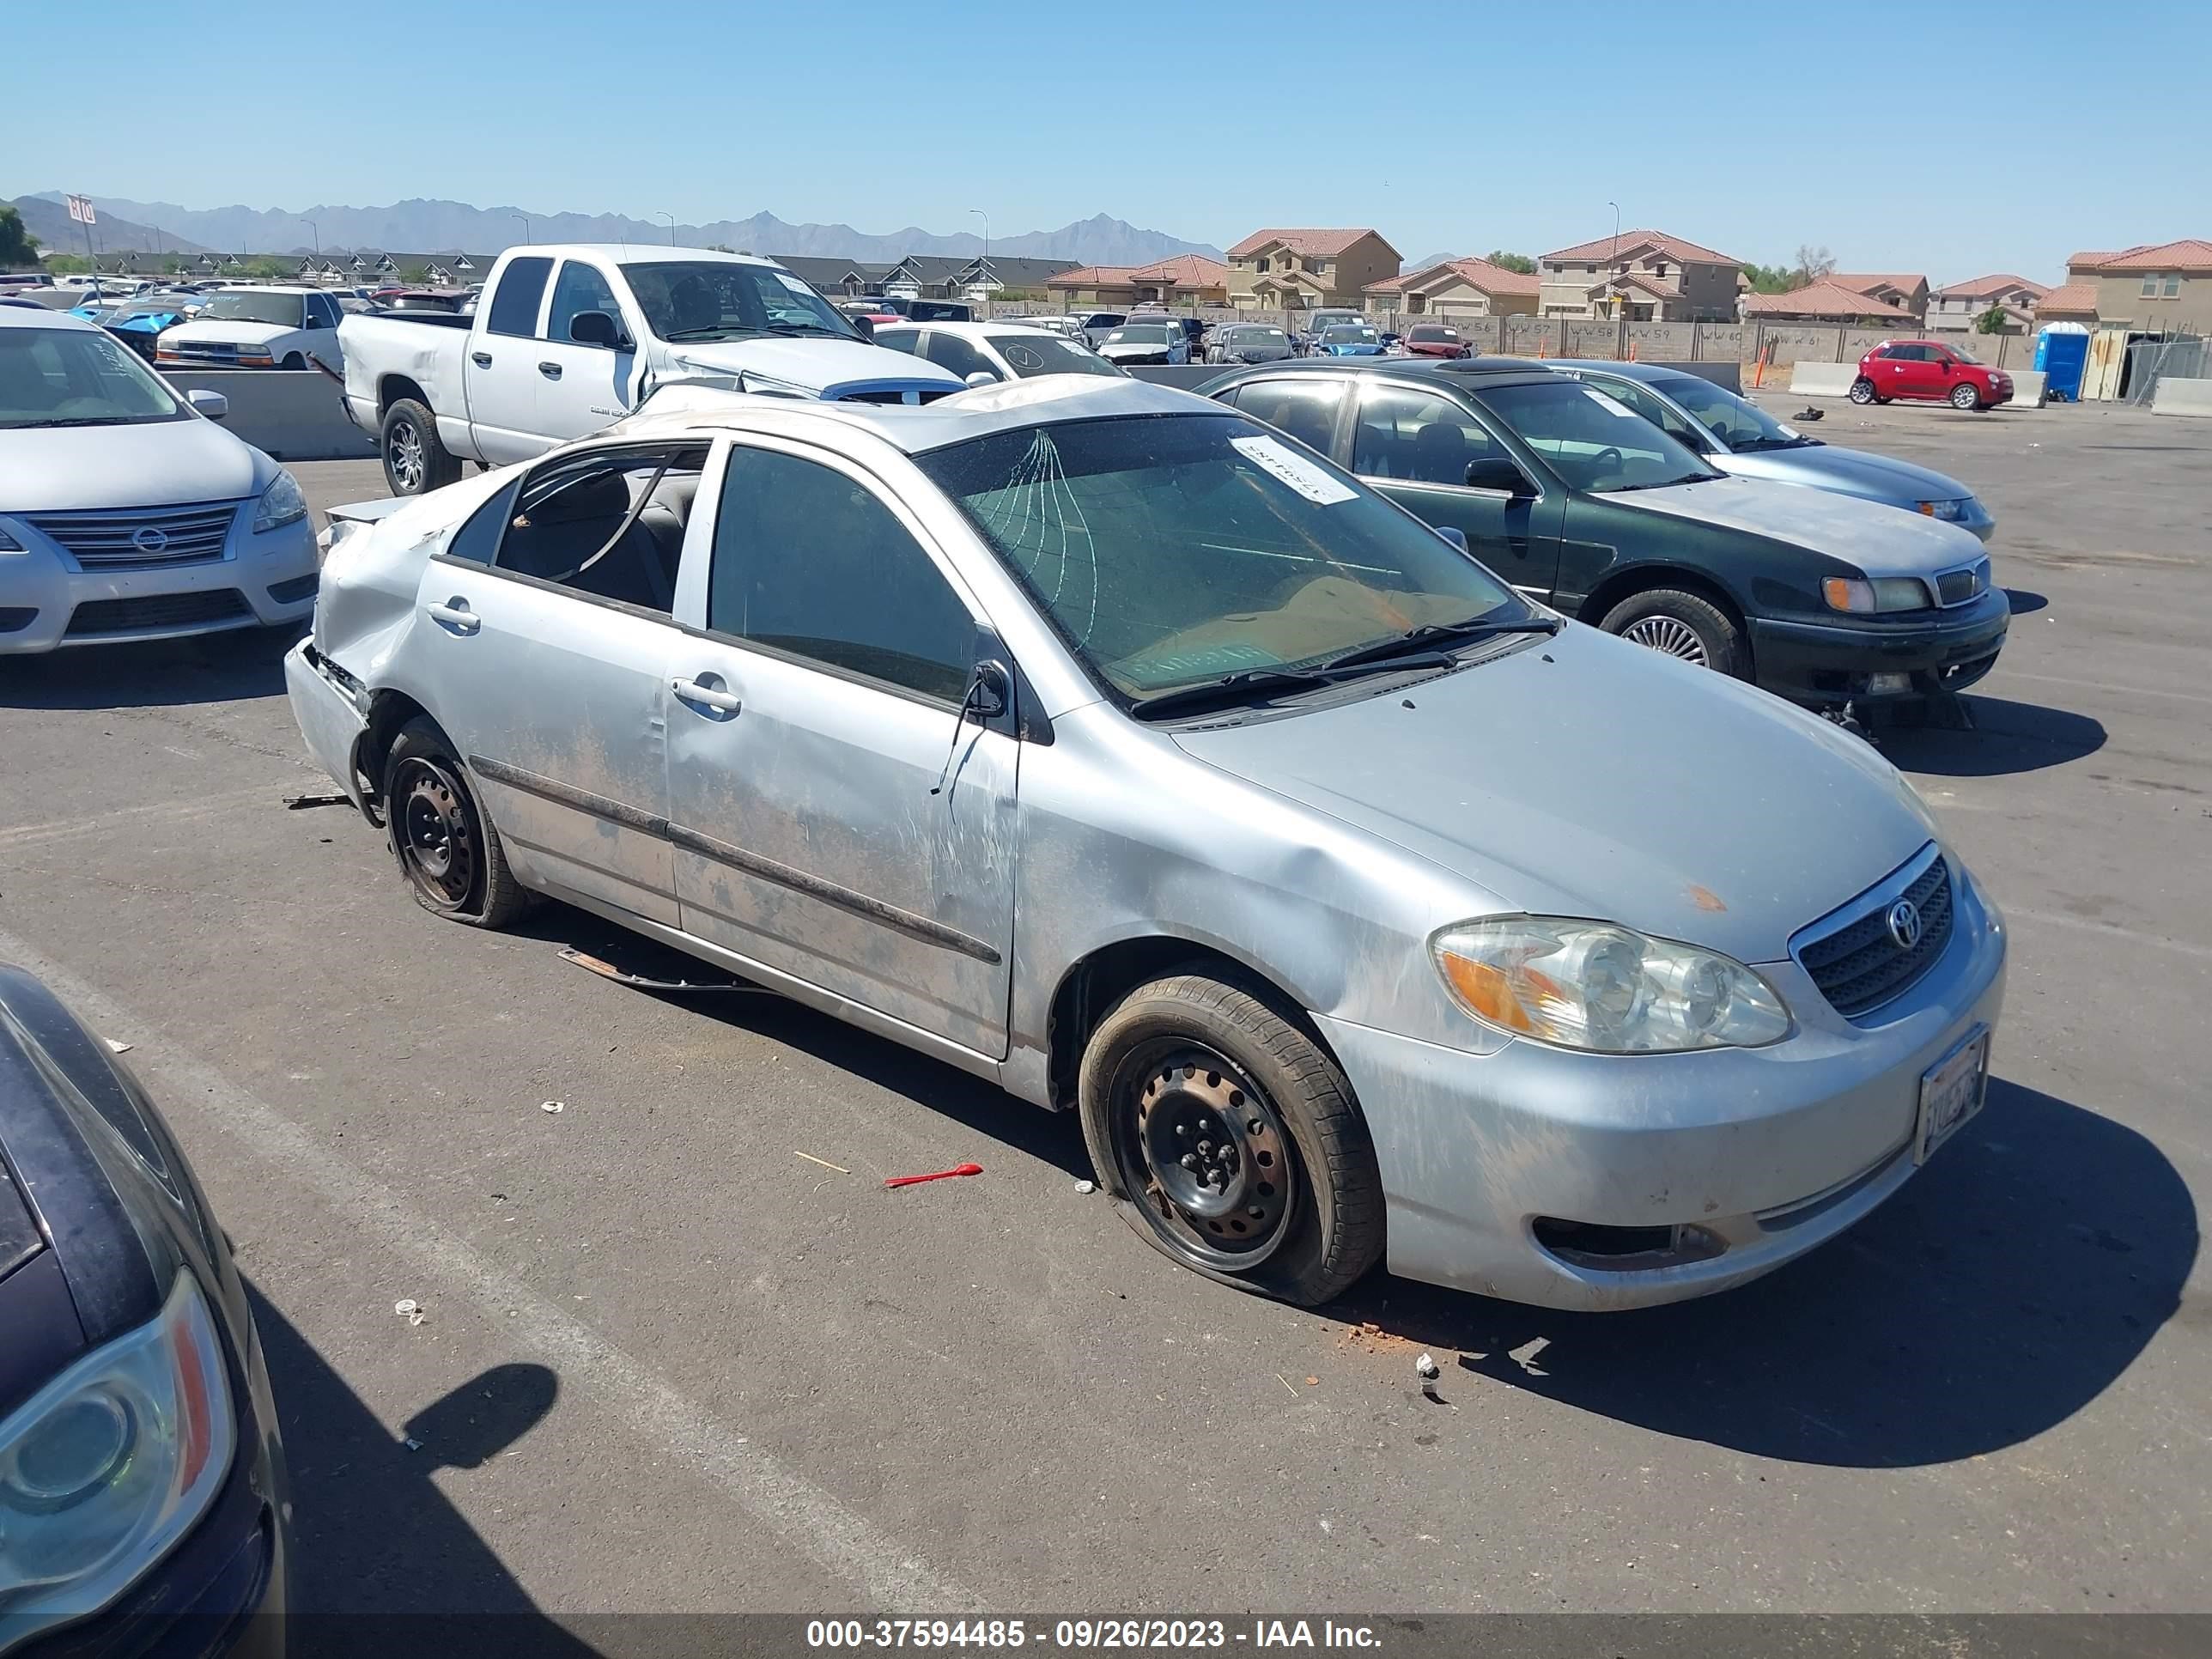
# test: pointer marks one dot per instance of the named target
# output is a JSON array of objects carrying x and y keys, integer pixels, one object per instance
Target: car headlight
[
  {"x": 1861, "y": 597},
  {"x": 1608, "y": 989},
  {"x": 105, "y": 1468},
  {"x": 1952, "y": 511},
  {"x": 280, "y": 504}
]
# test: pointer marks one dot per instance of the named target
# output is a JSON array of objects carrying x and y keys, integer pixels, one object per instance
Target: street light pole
[
  {"x": 672, "y": 226},
  {"x": 522, "y": 219},
  {"x": 986, "y": 218},
  {"x": 318, "y": 230},
  {"x": 1612, "y": 261}
]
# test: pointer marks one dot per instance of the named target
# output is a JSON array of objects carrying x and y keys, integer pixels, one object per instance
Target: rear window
[{"x": 514, "y": 302}]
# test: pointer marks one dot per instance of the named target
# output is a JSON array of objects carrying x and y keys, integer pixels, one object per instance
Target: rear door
[
  {"x": 1416, "y": 446},
  {"x": 835, "y": 818},
  {"x": 548, "y": 664},
  {"x": 501, "y": 370},
  {"x": 583, "y": 388}
]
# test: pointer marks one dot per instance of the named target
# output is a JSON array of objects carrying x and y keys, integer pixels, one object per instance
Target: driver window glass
[
  {"x": 606, "y": 526},
  {"x": 580, "y": 289},
  {"x": 1417, "y": 437}
]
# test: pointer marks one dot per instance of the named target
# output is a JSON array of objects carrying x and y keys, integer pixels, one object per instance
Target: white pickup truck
[{"x": 569, "y": 338}]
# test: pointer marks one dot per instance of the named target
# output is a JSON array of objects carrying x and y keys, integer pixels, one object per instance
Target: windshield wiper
[
  {"x": 1661, "y": 483},
  {"x": 1759, "y": 446},
  {"x": 706, "y": 329},
  {"x": 81, "y": 420},
  {"x": 808, "y": 328},
  {"x": 1429, "y": 634},
  {"x": 1252, "y": 683}
]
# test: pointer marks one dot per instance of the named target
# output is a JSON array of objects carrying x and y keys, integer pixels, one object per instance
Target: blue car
[
  {"x": 1349, "y": 340},
  {"x": 138, "y": 322}
]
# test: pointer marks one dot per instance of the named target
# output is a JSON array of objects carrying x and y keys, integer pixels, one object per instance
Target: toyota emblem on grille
[
  {"x": 1905, "y": 924},
  {"x": 150, "y": 539}
]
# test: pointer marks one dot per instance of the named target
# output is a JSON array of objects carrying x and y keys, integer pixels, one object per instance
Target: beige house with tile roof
[
  {"x": 1306, "y": 270},
  {"x": 2152, "y": 286},
  {"x": 1186, "y": 279},
  {"x": 1825, "y": 301},
  {"x": 1457, "y": 287},
  {"x": 1651, "y": 276},
  {"x": 1957, "y": 307},
  {"x": 1901, "y": 290}
]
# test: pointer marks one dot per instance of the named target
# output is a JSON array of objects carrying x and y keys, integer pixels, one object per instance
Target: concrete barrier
[
  {"x": 1822, "y": 380},
  {"x": 2027, "y": 388},
  {"x": 292, "y": 413},
  {"x": 2174, "y": 396}
]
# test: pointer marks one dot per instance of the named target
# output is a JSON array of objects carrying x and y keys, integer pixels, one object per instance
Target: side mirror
[
  {"x": 981, "y": 377},
  {"x": 593, "y": 328},
  {"x": 1497, "y": 472},
  {"x": 212, "y": 404},
  {"x": 865, "y": 325},
  {"x": 1454, "y": 534}
]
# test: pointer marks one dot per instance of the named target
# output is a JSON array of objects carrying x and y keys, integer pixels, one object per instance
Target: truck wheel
[
  {"x": 414, "y": 460},
  {"x": 449, "y": 851},
  {"x": 1862, "y": 391},
  {"x": 1964, "y": 396},
  {"x": 1681, "y": 625},
  {"x": 1231, "y": 1142}
]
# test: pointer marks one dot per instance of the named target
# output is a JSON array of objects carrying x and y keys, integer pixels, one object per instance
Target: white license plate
[{"x": 1951, "y": 1091}]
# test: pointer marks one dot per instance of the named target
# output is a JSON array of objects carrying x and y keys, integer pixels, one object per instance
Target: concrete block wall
[{"x": 292, "y": 414}]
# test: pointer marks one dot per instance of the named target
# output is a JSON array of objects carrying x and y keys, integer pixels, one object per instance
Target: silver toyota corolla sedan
[
  {"x": 1109, "y": 745},
  {"x": 1739, "y": 437}
]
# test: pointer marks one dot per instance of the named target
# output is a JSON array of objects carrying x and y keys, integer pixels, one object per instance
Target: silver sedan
[{"x": 1109, "y": 745}]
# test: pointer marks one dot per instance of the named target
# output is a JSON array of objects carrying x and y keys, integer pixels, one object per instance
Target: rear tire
[
  {"x": 1288, "y": 1199},
  {"x": 1862, "y": 391},
  {"x": 1965, "y": 396},
  {"x": 416, "y": 459},
  {"x": 1683, "y": 626},
  {"x": 447, "y": 849}
]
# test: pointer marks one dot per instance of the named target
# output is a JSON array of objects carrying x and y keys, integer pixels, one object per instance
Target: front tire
[
  {"x": 1231, "y": 1142},
  {"x": 1681, "y": 625},
  {"x": 447, "y": 849},
  {"x": 292, "y": 360},
  {"x": 1863, "y": 392},
  {"x": 416, "y": 459},
  {"x": 1965, "y": 396}
]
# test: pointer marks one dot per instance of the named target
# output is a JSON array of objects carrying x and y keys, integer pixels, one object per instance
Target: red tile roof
[
  {"x": 1477, "y": 274},
  {"x": 1985, "y": 288},
  {"x": 1866, "y": 282},
  {"x": 1632, "y": 242},
  {"x": 1637, "y": 279},
  {"x": 2072, "y": 296},
  {"x": 1184, "y": 270},
  {"x": 1320, "y": 243},
  {"x": 1823, "y": 299},
  {"x": 2191, "y": 253},
  {"x": 1093, "y": 276}
]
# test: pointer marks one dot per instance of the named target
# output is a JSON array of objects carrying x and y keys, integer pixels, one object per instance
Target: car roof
[
  {"x": 701, "y": 411},
  {"x": 951, "y": 326},
  {"x": 646, "y": 253},
  {"x": 40, "y": 316},
  {"x": 1470, "y": 372},
  {"x": 1647, "y": 374}
]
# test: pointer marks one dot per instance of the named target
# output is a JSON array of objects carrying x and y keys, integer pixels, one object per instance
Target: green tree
[
  {"x": 1504, "y": 261},
  {"x": 19, "y": 249},
  {"x": 1771, "y": 279},
  {"x": 68, "y": 265},
  {"x": 1992, "y": 321}
]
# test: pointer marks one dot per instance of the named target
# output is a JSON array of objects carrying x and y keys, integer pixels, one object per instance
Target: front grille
[
  {"x": 128, "y": 538},
  {"x": 1859, "y": 965},
  {"x": 1957, "y": 586},
  {"x": 158, "y": 611}
]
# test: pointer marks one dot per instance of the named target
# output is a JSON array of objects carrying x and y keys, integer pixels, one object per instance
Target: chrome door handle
[
  {"x": 455, "y": 615},
  {"x": 727, "y": 702}
]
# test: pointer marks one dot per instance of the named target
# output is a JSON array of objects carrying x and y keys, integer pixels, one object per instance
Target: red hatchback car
[
  {"x": 1928, "y": 369},
  {"x": 1434, "y": 340}
]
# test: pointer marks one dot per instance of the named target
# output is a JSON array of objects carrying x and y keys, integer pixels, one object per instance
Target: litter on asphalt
[
  {"x": 935, "y": 1175},
  {"x": 552, "y": 1105},
  {"x": 410, "y": 1309}
]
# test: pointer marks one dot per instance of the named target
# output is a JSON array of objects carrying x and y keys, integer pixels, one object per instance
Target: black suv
[{"x": 1578, "y": 501}]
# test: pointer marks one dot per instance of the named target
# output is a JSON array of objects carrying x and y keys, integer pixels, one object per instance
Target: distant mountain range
[{"x": 430, "y": 227}]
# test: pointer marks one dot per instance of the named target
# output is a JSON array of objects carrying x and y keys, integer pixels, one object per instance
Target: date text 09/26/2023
[{"x": 1087, "y": 1634}]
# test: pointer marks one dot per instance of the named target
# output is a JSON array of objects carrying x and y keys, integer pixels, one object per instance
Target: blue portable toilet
[{"x": 2062, "y": 352}]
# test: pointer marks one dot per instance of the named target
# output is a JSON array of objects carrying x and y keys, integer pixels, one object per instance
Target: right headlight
[
  {"x": 1858, "y": 595},
  {"x": 105, "y": 1468},
  {"x": 1605, "y": 989}
]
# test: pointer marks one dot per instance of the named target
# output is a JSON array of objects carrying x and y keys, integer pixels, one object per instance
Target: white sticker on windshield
[
  {"x": 794, "y": 284},
  {"x": 1610, "y": 405},
  {"x": 1294, "y": 470}
]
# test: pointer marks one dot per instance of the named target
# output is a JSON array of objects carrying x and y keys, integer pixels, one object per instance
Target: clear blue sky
[{"x": 1948, "y": 140}]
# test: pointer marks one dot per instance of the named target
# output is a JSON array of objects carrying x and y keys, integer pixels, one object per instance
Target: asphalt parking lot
[{"x": 671, "y": 1364}]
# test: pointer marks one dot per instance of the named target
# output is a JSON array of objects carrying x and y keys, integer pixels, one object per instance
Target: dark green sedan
[{"x": 1575, "y": 499}]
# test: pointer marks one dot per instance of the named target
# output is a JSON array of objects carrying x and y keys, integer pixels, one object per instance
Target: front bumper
[
  {"x": 264, "y": 580},
  {"x": 1829, "y": 664},
  {"x": 331, "y": 718},
  {"x": 1767, "y": 1153}
]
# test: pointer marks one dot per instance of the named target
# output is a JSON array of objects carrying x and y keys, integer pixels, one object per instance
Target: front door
[
  {"x": 583, "y": 388},
  {"x": 548, "y": 664},
  {"x": 1416, "y": 447},
  {"x": 834, "y": 816},
  {"x": 501, "y": 372}
]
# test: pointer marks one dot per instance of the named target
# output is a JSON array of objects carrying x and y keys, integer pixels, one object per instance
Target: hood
[
  {"x": 827, "y": 369},
  {"x": 1880, "y": 540},
  {"x": 1586, "y": 776},
  {"x": 1849, "y": 472},
  {"x": 150, "y": 463},
  {"x": 1118, "y": 349},
  {"x": 1375, "y": 351},
  {"x": 223, "y": 331}
]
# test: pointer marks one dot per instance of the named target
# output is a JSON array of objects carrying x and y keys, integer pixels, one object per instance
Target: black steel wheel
[
  {"x": 450, "y": 853},
  {"x": 1231, "y": 1141}
]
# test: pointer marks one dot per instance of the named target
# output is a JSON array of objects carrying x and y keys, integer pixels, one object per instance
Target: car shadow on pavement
[
  {"x": 2001, "y": 1290},
  {"x": 2008, "y": 738},
  {"x": 1053, "y": 1138},
  {"x": 382, "y": 1562},
  {"x": 229, "y": 667},
  {"x": 2024, "y": 603}
]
